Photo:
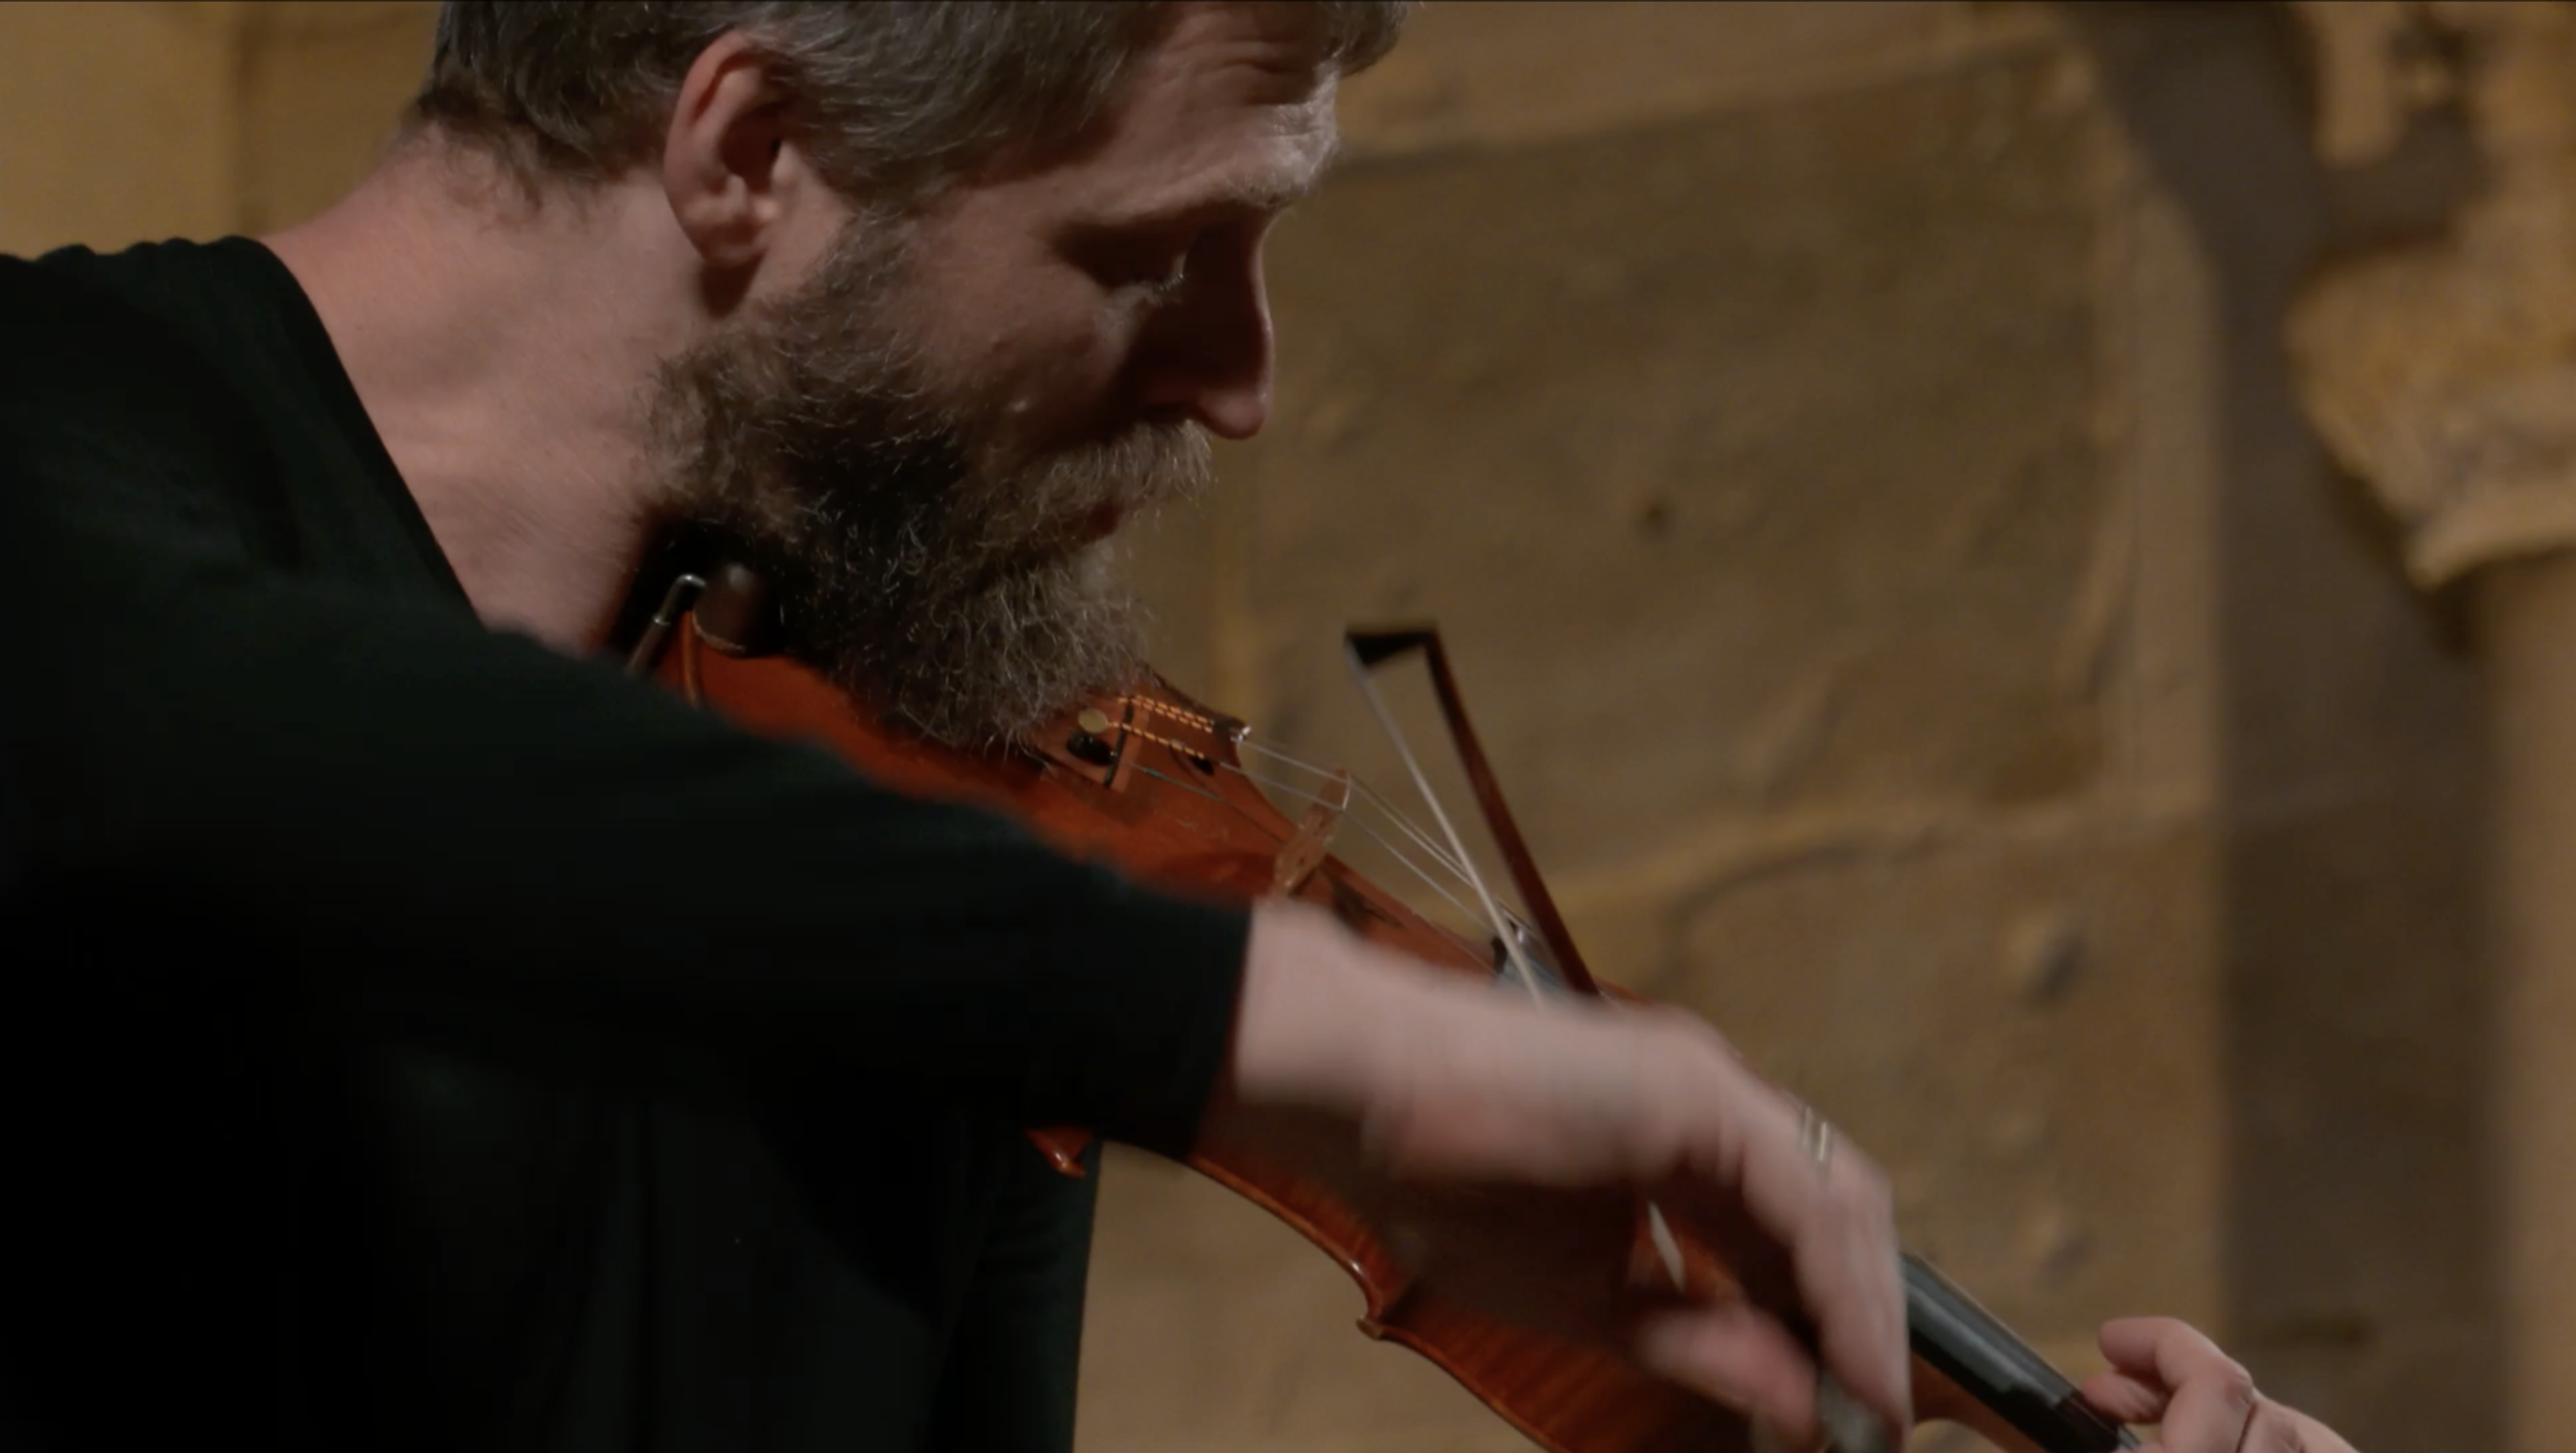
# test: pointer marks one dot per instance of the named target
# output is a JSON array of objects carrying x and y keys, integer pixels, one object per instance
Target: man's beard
[{"x": 919, "y": 561}]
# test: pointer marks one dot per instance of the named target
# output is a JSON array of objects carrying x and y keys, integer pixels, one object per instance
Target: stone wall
[
  {"x": 139, "y": 119},
  {"x": 1850, "y": 450}
]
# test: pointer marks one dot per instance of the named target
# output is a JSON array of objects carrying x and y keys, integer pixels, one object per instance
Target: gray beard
[{"x": 916, "y": 563}]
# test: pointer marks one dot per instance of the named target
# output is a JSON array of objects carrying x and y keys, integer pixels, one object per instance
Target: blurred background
[{"x": 2004, "y": 552}]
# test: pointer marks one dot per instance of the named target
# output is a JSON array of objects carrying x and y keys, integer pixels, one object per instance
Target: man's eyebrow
[{"x": 1259, "y": 192}]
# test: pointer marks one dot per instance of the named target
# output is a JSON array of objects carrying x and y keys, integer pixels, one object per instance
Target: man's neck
[{"x": 505, "y": 355}]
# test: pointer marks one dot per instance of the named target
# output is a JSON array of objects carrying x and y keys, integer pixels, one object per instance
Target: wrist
[{"x": 1310, "y": 1024}]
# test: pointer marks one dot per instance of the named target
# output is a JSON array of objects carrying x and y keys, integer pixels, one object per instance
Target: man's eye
[
  {"x": 1156, "y": 265},
  {"x": 1162, "y": 273}
]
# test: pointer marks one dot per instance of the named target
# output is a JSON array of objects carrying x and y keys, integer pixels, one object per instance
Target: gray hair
[{"x": 894, "y": 98}]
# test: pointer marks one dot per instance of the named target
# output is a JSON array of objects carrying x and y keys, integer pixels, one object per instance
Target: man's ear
[{"x": 724, "y": 162}]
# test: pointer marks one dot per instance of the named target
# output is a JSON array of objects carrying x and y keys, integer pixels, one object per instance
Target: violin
[{"x": 1159, "y": 785}]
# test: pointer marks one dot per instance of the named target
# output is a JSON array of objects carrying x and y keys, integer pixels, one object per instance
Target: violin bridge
[{"x": 1304, "y": 851}]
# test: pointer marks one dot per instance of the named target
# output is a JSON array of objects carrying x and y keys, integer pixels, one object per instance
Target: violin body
[
  {"x": 1567, "y": 1397},
  {"x": 1151, "y": 783}
]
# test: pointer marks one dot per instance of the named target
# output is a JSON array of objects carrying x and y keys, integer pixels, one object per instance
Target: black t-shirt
[{"x": 417, "y": 1039}]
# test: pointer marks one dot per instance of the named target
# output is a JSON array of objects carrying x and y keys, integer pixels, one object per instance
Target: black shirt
[{"x": 417, "y": 1039}]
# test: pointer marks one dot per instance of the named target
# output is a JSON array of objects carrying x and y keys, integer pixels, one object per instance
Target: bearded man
[{"x": 430, "y": 1039}]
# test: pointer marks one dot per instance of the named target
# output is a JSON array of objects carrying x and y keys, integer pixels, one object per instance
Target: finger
[
  {"x": 1838, "y": 1223},
  {"x": 2274, "y": 1429},
  {"x": 2284, "y": 1430},
  {"x": 2125, "y": 1399},
  {"x": 2212, "y": 1402},
  {"x": 2132, "y": 1343},
  {"x": 1741, "y": 1356}
]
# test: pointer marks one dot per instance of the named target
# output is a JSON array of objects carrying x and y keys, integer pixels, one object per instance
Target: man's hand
[
  {"x": 2164, "y": 1372},
  {"x": 1443, "y": 1091}
]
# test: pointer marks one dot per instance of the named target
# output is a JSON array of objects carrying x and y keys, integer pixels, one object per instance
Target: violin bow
[{"x": 1946, "y": 1327}]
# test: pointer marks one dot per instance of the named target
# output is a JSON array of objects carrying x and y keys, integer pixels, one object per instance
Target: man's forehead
[{"x": 1231, "y": 111}]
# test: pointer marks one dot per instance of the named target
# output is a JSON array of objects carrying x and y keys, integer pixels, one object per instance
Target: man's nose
[{"x": 1210, "y": 357}]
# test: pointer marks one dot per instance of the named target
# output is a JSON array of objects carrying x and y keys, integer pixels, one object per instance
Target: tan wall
[
  {"x": 1849, "y": 450},
  {"x": 124, "y": 122}
]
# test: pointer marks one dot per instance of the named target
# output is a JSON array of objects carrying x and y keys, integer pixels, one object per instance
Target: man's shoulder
[
  {"x": 113, "y": 420},
  {"x": 73, "y": 304},
  {"x": 160, "y": 281}
]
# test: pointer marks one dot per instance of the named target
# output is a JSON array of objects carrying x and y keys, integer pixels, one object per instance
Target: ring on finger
[{"x": 1815, "y": 1136}]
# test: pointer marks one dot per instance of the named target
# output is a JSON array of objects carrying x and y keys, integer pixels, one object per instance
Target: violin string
[
  {"x": 1420, "y": 839},
  {"x": 1460, "y": 872},
  {"x": 1364, "y": 825},
  {"x": 1411, "y": 831},
  {"x": 1294, "y": 792},
  {"x": 1520, "y": 963},
  {"x": 1356, "y": 812},
  {"x": 1434, "y": 884},
  {"x": 1211, "y": 794},
  {"x": 1421, "y": 842}
]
